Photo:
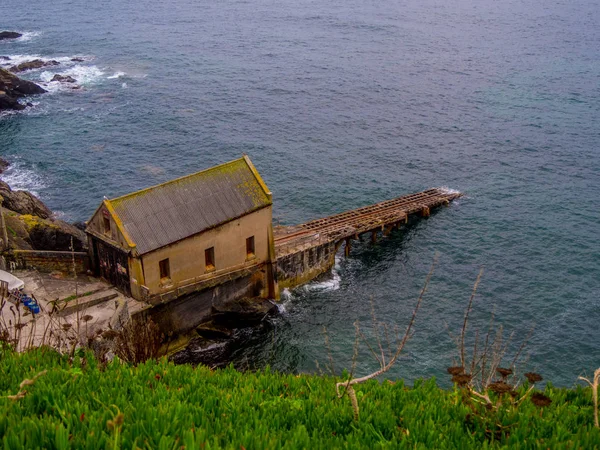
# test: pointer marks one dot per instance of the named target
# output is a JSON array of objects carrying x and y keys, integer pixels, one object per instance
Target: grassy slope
[{"x": 166, "y": 406}]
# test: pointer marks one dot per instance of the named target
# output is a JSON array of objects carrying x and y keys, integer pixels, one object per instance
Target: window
[
  {"x": 250, "y": 248},
  {"x": 209, "y": 259},
  {"x": 106, "y": 225},
  {"x": 165, "y": 270}
]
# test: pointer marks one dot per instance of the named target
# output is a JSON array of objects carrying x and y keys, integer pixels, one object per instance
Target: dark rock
[
  {"x": 4, "y": 58},
  {"x": 211, "y": 330},
  {"x": 54, "y": 234},
  {"x": 9, "y": 35},
  {"x": 3, "y": 165},
  {"x": 12, "y": 88},
  {"x": 23, "y": 202},
  {"x": 77, "y": 59},
  {"x": 29, "y": 232},
  {"x": 8, "y": 102},
  {"x": 63, "y": 78},
  {"x": 243, "y": 313},
  {"x": 30, "y": 65}
]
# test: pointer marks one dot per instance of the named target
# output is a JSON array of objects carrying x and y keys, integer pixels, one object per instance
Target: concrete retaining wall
[
  {"x": 185, "y": 313},
  {"x": 300, "y": 267}
]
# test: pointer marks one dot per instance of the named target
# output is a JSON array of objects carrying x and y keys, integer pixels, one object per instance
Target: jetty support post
[{"x": 347, "y": 247}]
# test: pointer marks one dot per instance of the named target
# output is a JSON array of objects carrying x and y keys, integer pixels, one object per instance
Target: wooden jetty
[{"x": 307, "y": 250}]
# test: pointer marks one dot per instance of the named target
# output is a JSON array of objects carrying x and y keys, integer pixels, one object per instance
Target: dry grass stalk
[
  {"x": 138, "y": 341},
  {"x": 479, "y": 375},
  {"x": 348, "y": 385},
  {"x": 594, "y": 386}
]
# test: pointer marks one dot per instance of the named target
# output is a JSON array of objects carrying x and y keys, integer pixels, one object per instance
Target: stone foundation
[{"x": 302, "y": 266}]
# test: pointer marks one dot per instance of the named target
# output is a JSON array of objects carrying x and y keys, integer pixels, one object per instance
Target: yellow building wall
[
  {"x": 96, "y": 223},
  {"x": 187, "y": 260}
]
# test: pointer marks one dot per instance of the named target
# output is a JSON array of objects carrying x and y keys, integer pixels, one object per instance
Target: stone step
[{"x": 87, "y": 301}]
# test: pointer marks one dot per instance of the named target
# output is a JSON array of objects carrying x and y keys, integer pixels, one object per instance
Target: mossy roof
[{"x": 169, "y": 212}]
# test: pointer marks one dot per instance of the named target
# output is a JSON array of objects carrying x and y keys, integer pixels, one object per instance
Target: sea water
[{"x": 342, "y": 104}]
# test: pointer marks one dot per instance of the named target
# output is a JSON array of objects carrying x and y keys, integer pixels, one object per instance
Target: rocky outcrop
[
  {"x": 12, "y": 88},
  {"x": 30, "y": 65},
  {"x": 23, "y": 202},
  {"x": 9, "y": 35},
  {"x": 53, "y": 234},
  {"x": 3, "y": 165},
  {"x": 27, "y": 232},
  {"x": 31, "y": 226},
  {"x": 63, "y": 78}
]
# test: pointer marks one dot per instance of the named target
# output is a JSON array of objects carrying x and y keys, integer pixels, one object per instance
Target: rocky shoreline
[
  {"x": 14, "y": 88},
  {"x": 31, "y": 225}
]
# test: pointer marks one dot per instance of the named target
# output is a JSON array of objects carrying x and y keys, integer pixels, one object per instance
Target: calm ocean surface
[{"x": 342, "y": 104}]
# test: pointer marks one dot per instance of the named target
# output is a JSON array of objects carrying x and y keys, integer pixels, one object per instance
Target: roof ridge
[{"x": 149, "y": 188}]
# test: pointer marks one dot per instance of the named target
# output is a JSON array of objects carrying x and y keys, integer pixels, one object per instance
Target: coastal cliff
[{"x": 31, "y": 225}]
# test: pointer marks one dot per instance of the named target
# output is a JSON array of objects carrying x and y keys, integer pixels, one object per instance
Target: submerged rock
[
  {"x": 63, "y": 78},
  {"x": 30, "y": 65},
  {"x": 9, "y": 35},
  {"x": 12, "y": 88}
]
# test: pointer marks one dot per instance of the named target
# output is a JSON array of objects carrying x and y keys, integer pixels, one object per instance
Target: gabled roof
[{"x": 161, "y": 215}]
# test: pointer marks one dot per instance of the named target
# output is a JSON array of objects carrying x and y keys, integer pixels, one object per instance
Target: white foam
[
  {"x": 22, "y": 178},
  {"x": 124, "y": 86},
  {"x": 28, "y": 36},
  {"x": 64, "y": 61},
  {"x": 85, "y": 74},
  {"x": 286, "y": 299},
  {"x": 116, "y": 75},
  {"x": 18, "y": 59},
  {"x": 333, "y": 284},
  {"x": 447, "y": 190}
]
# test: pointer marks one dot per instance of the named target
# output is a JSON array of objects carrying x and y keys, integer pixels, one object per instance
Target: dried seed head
[
  {"x": 541, "y": 400},
  {"x": 20, "y": 326},
  {"x": 462, "y": 379},
  {"x": 87, "y": 318},
  {"x": 500, "y": 387},
  {"x": 109, "y": 334},
  {"x": 119, "y": 419},
  {"x": 67, "y": 326},
  {"x": 504, "y": 372},
  {"x": 457, "y": 370},
  {"x": 533, "y": 377}
]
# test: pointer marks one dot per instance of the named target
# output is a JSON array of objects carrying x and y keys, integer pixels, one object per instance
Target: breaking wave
[
  {"x": 447, "y": 190},
  {"x": 19, "y": 177},
  {"x": 116, "y": 75},
  {"x": 28, "y": 36},
  {"x": 332, "y": 284}
]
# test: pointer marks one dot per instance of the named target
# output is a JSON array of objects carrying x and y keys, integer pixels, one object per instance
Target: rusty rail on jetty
[{"x": 351, "y": 224}]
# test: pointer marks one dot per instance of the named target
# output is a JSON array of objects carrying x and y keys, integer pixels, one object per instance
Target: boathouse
[{"x": 204, "y": 235}]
